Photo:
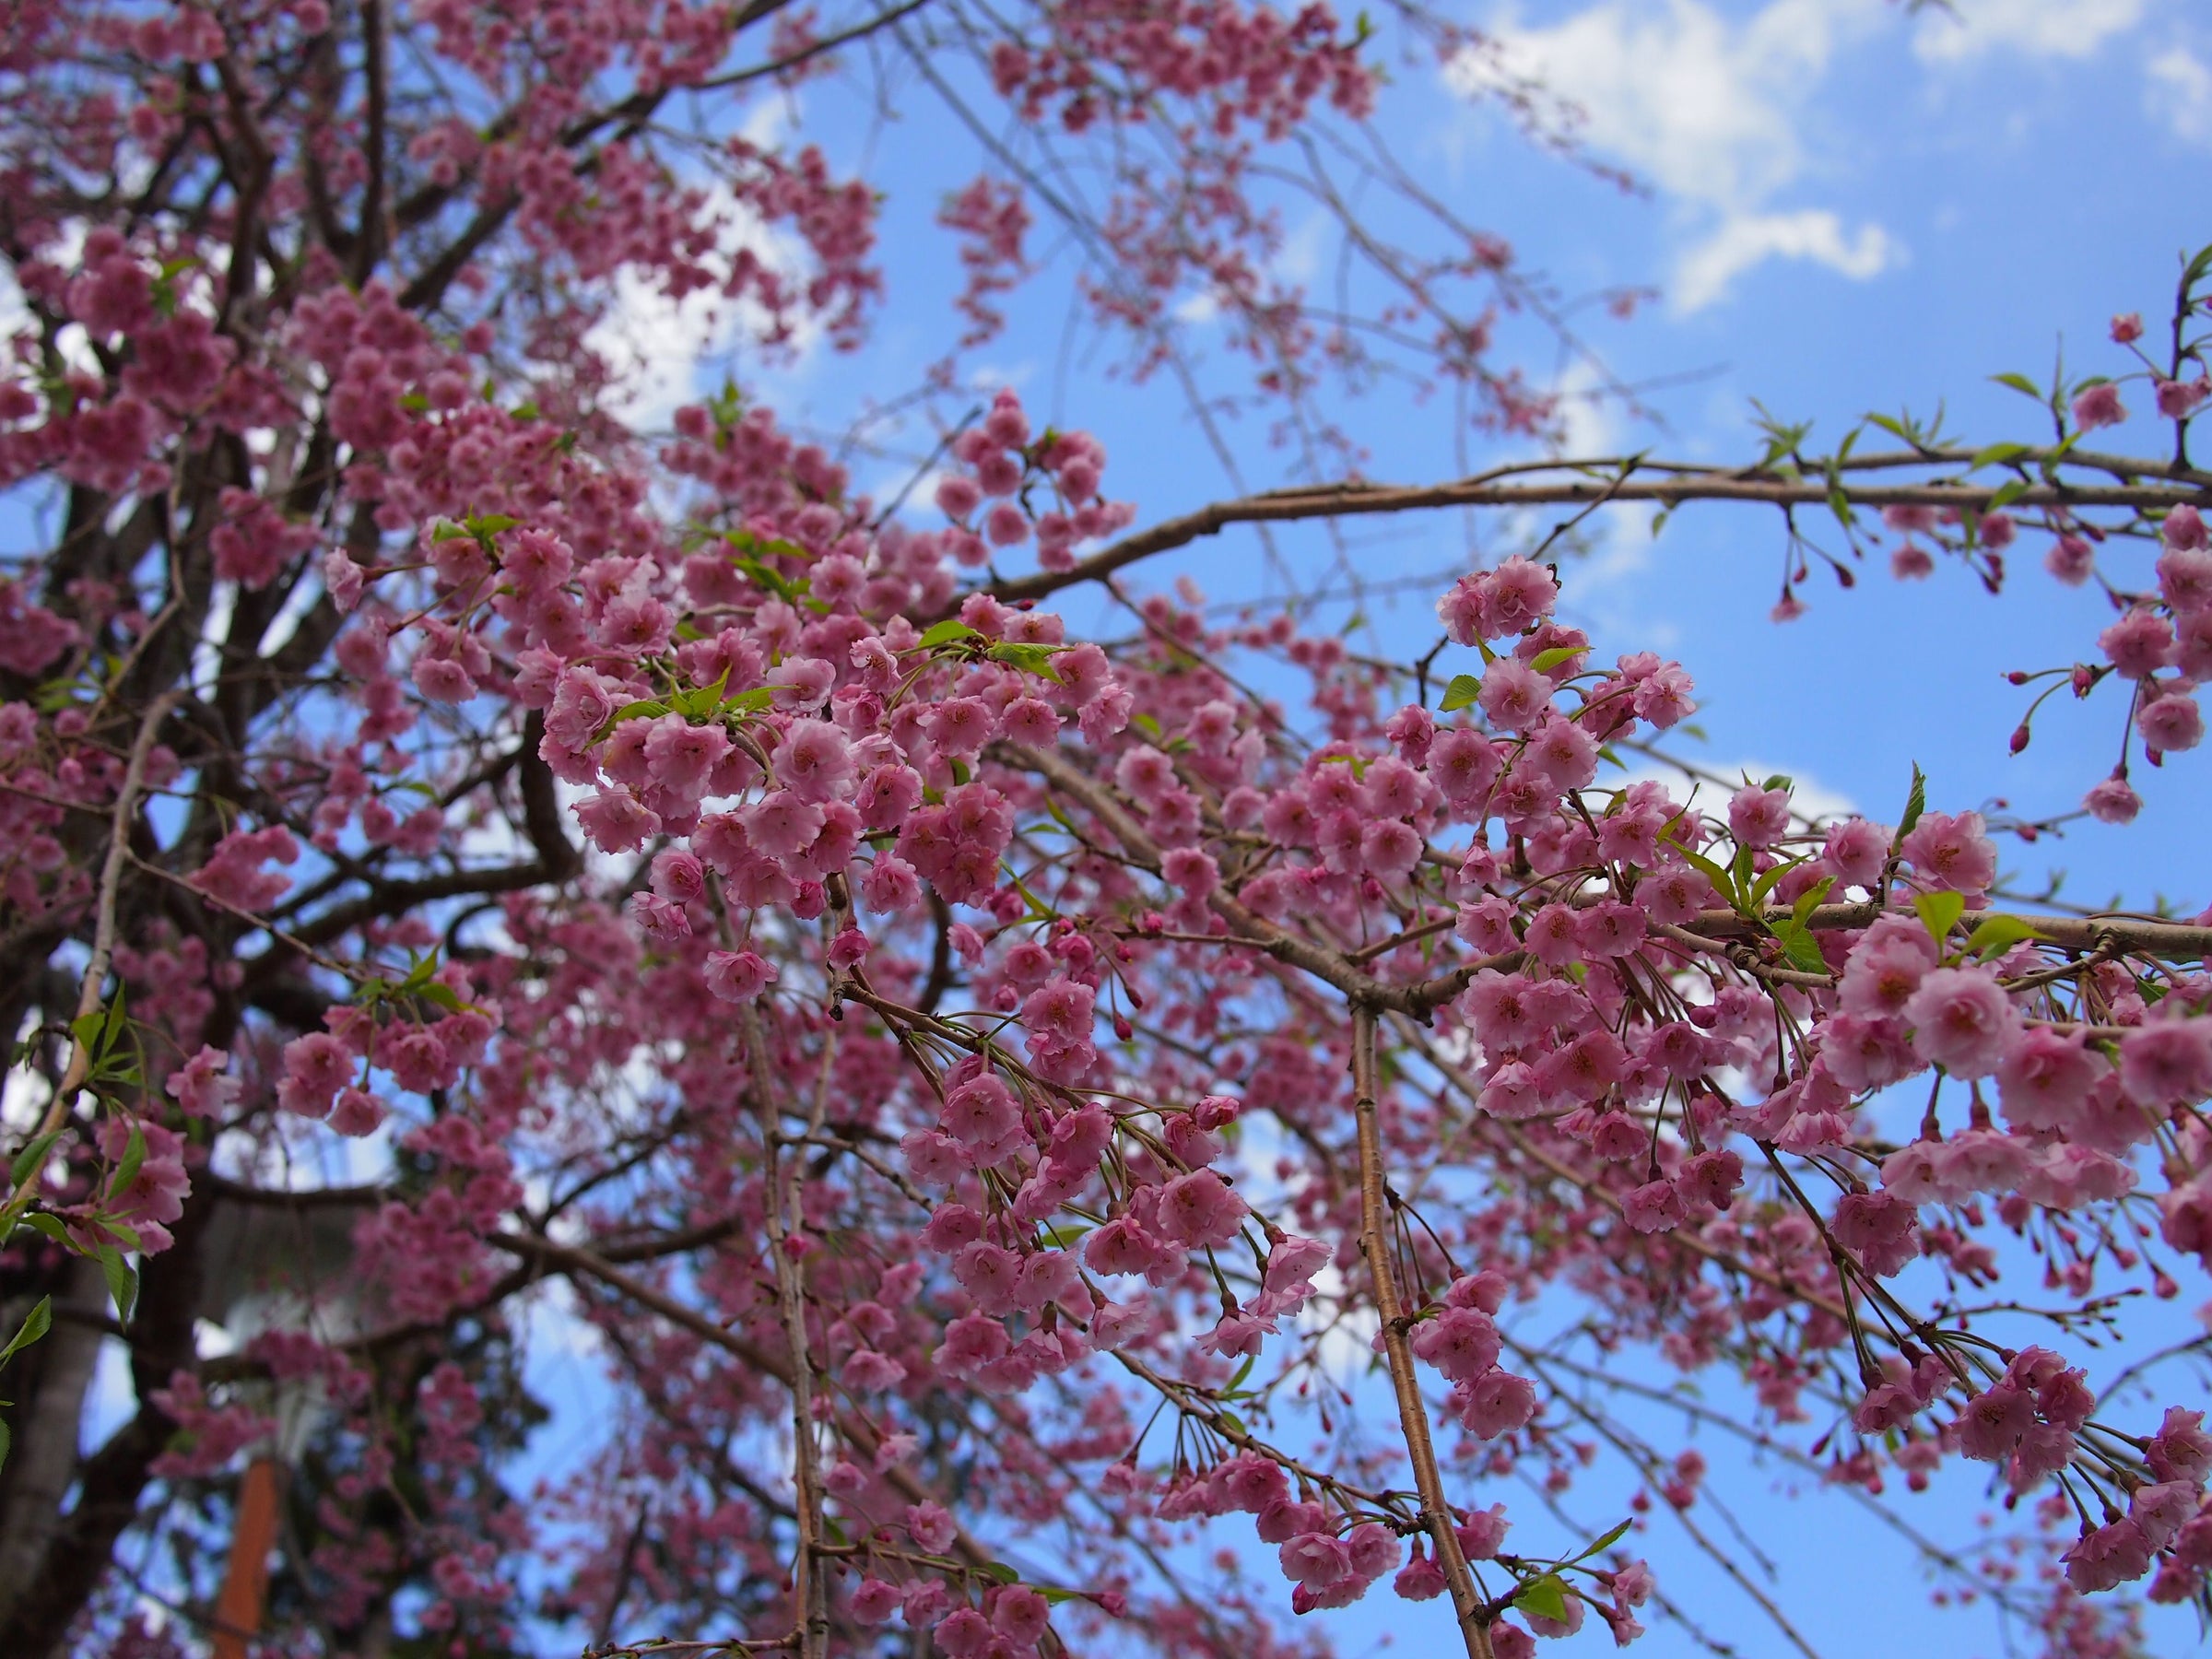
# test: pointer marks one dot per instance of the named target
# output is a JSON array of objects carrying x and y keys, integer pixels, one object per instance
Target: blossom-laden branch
[
  {"x": 1436, "y": 1514},
  {"x": 641, "y": 860}
]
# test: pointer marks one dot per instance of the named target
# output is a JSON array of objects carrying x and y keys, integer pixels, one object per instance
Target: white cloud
[
  {"x": 655, "y": 346},
  {"x": 2065, "y": 29},
  {"x": 1706, "y": 107},
  {"x": 2179, "y": 94},
  {"x": 1704, "y": 274}
]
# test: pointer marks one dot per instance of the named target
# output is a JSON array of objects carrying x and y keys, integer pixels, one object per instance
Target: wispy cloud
[
  {"x": 2178, "y": 91},
  {"x": 2049, "y": 28},
  {"x": 1707, "y": 108}
]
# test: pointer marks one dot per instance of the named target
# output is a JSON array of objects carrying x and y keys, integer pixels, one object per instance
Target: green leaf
[
  {"x": 1606, "y": 1542},
  {"x": 961, "y": 773},
  {"x": 134, "y": 1156},
  {"x": 1996, "y": 454},
  {"x": 1810, "y": 900},
  {"x": 946, "y": 632},
  {"x": 122, "y": 1283},
  {"x": 1916, "y": 802},
  {"x": 1896, "y": 428},
  {"x": 1997, "y": 935},
  {"x": 1722, "y": 883},
  {"x": 1765, "y": 883},
  {"x": 629, "y": 711},
  {"x": 1544, "y": 1598},
  {"x": 749, "y": 702},
  {"x": 1235, "y": 1383},
  {"x": 51, "y": 1226},
  {"x": 1001, "y": 1571},
  {"x": 1940, "y": 912},
  {"x": 2021, "y": 384},
  {"x": 27, "y": 1163},
  {"x": 485, "y": 526},
  {"x": 2011, "y": 491},
  {"x": 1030, "y": 658},
  {"x": 35, "y": 1325},
  {"x": 1801, "y": 949},
  {"x": 1460, "y": 694},
  {"x": 6, "y": 1439},
  {"x": 1546, "y": 660}
]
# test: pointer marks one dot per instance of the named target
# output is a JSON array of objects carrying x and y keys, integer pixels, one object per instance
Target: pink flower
[
  {"x": 1291, "y": 1264},
  {"x": 738, "y": 976},
  {"x": 981, "y": 1112},
  {"x": 1316, "y": 1560},
  {"x": 2113, "y": 801},
  {"x": 1199, "y": 1210},
  {"x": 1856, "y": 851},
  {"x": 1514, "y": 695},
  {"x": 1961, "y": 1020},
  {"x": 1059, "y": 1013},
  {"x": 1759, "y": 818},
  {"x": 2167, "y": 1063},
  {"x": 1885, "y": 966},
  {"x": 201, "y": 1088},
  {"x": 315, "y": 1068},
  {"x": 1654, "y": 1206},
  {"x": 2181, "y": 1450},
  {"x": 158, "y": 1189},
  {"x": 1463, "y": 764},
  {"x": 1497, "y": 1403},
  {"x": 780, "y": 824},
  {"x": 2184, "y": 527},
  {"x": 358, "y": 1113},
  {"x": 2097, "y": 406},
  {"x": 2163, "y": 1509},
  {"x": 1951, "y": 852},
  {"x": 963, "y": 1633},
  {"x": 1994, "y": 1422},
  {"x": 2139, "y": 644},
  {"x": 1462, "y": 1343},
  {"x": 2171, "y": 723},
  {"x": 873, "y": 1601},
  {"x": 1881, "y": 1226},
  {"x": 2178, "y": 400},
  {"x": 2108, "y": 1556},
  {"x": 1420, "y": 1579},
  {"x": 1520, "y": 593},
  {"x": 615, "y": 821},
  {"x": 2046, "y": 1077},
  {"x": 1020, "y": 1614}
]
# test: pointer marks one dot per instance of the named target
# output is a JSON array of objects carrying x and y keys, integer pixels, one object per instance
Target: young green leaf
[
  {"x": 1916, "y": 802},
  {"x": 1940, "y": 912},
  {"x": 1460, "y": 694},
  {"x": 122, "y": 1283},
  {"x": 1544, "y": 1598},
  {"x": 27, "y": 1163},
  {"x": 946, "y": 632},
  {"x": 1544, "y": 662},
  {"x": 1997, "y": 935},
  {"x": 35, "y": 1325}
]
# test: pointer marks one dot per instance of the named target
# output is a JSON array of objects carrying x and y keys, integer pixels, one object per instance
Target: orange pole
[{"x": 246, "y": 1576}]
